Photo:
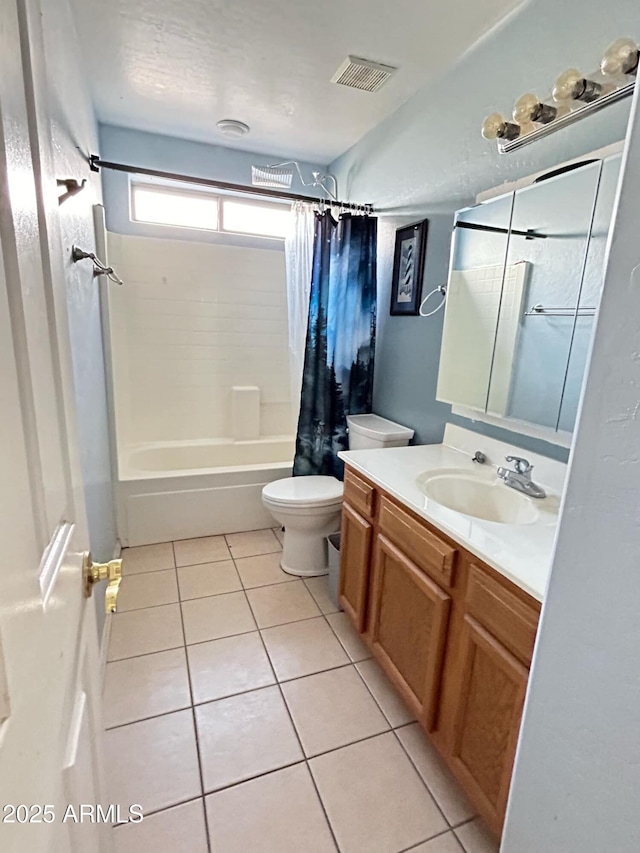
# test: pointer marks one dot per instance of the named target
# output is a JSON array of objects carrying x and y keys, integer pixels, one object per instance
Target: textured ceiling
[{"x": 178, "y": 66}]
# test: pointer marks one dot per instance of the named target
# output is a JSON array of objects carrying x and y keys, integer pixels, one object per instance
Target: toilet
[
  {"x": 367, "y": 432},
  {"x": 309, "y": 508}
]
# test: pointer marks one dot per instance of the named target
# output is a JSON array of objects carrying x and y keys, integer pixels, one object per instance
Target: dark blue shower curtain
[{"x": 338, "y": 367}]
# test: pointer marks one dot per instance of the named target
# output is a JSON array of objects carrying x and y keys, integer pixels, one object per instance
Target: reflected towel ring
[{"x": 442, "y": 288}]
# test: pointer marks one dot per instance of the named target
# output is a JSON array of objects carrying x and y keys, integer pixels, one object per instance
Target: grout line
[
  {"x": 306, "y": 760},
  {"x": 253, "y": 778},
  {"x": 145, "y": 654},
  {"x": 415, "y": 767},
  {"x": 150, "y": 717},
  {"x": 261, "y": 554},
  {"x": 126, "y": 574},
  {"x": 315, "y": 672},
  {"x": 195, "y": 729},
  {"x": 160, "y": 810},
  {"x": 432, "y": 838},
  {"x": 203, "y": 562},
  {"x": 257, "y": 776},
  {"x": 364, "y": 681},
  {"x": 465, "y": 822}
]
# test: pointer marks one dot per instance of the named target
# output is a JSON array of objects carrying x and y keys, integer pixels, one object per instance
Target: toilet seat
[{"x": 313, "y": 491}]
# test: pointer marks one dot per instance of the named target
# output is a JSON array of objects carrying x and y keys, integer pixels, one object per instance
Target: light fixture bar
[{"x": 506, "y": 146}]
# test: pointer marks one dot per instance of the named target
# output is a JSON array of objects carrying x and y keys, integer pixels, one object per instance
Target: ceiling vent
[{"x": 362, "y": 74}]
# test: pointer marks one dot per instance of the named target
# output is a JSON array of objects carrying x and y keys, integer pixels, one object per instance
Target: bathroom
[{"x": 321, "y": 400}]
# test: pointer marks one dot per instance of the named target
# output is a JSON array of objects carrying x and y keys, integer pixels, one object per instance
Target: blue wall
[
  {"x": 428, "y": 159},
  {"x": 168, "y": 153}
]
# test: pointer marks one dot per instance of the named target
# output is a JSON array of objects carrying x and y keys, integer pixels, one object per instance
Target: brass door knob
[{"x": 92, "y": 573}]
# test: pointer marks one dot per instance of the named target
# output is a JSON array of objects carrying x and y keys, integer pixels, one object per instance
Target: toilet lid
[{"x": 305, "y": 491}]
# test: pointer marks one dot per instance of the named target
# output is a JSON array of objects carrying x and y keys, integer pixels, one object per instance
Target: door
[
  {"x": 49, "y": 669},
  {"x": 409, "y": 619},
  {"x": 490, "y": 695},
  {"x": 355, "y": 554}
]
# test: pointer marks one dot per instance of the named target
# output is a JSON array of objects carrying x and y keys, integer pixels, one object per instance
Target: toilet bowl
[{"x": 309, "y": 509}]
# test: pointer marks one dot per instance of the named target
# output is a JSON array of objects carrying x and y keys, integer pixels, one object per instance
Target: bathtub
[{"x": 185, "y": 489}]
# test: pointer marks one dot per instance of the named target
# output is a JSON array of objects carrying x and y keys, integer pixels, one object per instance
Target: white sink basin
[{"x": 478, "y": 495}]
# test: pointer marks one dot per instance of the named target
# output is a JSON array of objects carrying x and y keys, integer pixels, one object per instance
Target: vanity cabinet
[
  {"x": 409, "y": 616},
  {"x": 355, "y": 558},
  {"x": 454, "y": 636},
  {"x": 356, "y": 541},
  {"x": 489, "y": 674}
]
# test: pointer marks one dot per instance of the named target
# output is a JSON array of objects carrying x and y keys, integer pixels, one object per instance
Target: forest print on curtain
[{"x": 338, "y": 366}]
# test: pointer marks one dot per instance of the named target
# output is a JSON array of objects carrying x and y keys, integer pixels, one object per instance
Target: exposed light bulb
[
  {"x": 529, "y": 108},
  {"x": 571, "y": 85},
  {"x": 621, "y": 57},
  {"x": 496, "y": 126}
]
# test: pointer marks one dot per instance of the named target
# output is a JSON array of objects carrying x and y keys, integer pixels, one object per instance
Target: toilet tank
[{"x": 369, "y": 431}]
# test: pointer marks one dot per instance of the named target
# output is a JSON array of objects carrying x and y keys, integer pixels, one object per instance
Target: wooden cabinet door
[
  {"x": 491, "y": 690},
  {"x": 408, "y": 627},
  {"x": 355, "y": 556}
]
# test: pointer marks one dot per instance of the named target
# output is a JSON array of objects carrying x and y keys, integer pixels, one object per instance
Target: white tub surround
[
  {"x": 186, "y": 489},
  {"x": 521, "y": 552}
]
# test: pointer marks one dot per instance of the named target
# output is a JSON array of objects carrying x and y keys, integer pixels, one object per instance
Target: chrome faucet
[{"x": 520, "y": 478}]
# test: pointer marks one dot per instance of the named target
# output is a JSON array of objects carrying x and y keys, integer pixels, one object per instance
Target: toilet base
[
  {"x": 298, "y": 574},
  {"x": 304, "y": 554}
]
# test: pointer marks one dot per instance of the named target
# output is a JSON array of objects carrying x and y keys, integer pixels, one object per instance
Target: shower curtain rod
[{"x": 95, "y": 163}]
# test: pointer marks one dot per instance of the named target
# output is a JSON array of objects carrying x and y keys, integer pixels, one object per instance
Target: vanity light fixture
[
  {"x": 621, "y": 57},
  {"x": 571, "y": 85},
  {"x": 529, "y": 108},
  {"x": 574, "y": 96},
  {"x": 496, "y": 126}
]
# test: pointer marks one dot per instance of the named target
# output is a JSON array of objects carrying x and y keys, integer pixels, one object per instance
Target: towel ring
[{"x": 442, "y": 288}]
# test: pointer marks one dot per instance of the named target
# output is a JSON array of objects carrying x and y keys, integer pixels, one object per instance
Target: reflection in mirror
[
  {"x": 550, "y": 229},
  {"x": 473, "y": 302},
  {"x": 590, "y": 292}
]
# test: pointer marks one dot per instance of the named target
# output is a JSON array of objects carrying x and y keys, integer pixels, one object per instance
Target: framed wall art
[{"x": 408, "y": 268}]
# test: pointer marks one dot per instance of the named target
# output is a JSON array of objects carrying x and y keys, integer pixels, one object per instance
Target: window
[
  {"x": 174, "y": 207},
  {"x": 263, "y": 220},
  {"x": 185, "y": 208}
]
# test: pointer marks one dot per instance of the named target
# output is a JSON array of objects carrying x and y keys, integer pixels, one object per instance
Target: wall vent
[{"x": 363, "y": 74}]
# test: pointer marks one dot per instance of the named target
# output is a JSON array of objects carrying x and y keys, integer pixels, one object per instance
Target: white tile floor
[{"x": 245, "y": 715}]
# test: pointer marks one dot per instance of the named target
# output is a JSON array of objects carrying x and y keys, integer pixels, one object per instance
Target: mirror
[
  {"x": 524, "y": 284},
  {"x": 472, "y": 308},
  {"x": 558, "y": 212},
  {"x": 590, "y": 291}
]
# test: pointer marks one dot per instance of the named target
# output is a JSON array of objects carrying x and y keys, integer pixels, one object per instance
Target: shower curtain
[
  {"x": 338, "y": 366},
  {"x": 298, "y": 251}
]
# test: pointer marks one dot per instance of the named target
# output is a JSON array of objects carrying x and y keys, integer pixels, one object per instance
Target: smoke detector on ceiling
[{"x": 363, "y": 74}]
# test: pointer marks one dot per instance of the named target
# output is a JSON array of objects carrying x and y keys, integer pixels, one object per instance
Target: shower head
[
  {"x": 277, "y": 177},
  {"x": 272, "y": 177}
]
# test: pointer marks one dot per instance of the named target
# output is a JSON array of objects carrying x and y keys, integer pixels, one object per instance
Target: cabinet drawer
[
  {"x": 428, "y": 551},
  {"x": 359, "y": 493},
  {"x": 506, "y": 616}
]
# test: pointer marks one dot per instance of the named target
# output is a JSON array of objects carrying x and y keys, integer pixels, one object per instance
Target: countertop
[{"x": 520, "y": 552}]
